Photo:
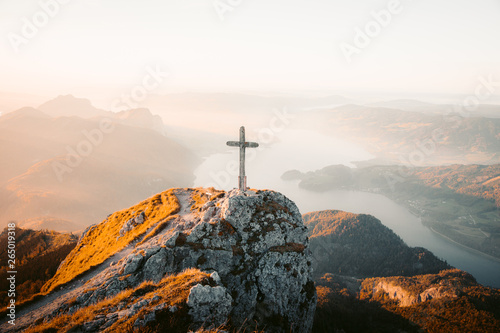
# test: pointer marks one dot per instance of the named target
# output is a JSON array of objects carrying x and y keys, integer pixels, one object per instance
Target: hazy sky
[{"x": 90, "y": 47}]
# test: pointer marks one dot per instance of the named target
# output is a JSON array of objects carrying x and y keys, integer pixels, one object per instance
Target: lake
[{"x": 308, "y": 151}]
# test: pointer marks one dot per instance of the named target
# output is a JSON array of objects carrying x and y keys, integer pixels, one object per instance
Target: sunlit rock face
[{"x": 254, "y": 244}]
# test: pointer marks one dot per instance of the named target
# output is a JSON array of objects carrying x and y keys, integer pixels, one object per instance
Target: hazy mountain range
[
  {"x": 401, "y": 131},
  {"x": 83, "y": 164},
  {"x": 414, "y": 138},
  {"x": 481, "y": 110}
]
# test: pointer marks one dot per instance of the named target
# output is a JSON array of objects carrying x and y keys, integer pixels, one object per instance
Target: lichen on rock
[{"x": 209, "y": 306}]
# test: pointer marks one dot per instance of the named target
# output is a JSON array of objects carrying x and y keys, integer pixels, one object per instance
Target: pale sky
[{"x": 102, "y": 47}]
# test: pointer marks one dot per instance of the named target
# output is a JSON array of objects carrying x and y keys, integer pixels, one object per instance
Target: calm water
[{"x": 308, "y": 151}]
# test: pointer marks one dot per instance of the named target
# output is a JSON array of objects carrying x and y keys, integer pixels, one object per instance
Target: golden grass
[
  {"x": 103, "y": 241},
  {"x": 172, "y": 290},
  {"x": 201, "y": 196}
]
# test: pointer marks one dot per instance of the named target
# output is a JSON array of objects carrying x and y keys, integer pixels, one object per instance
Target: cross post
[{"x": 242, "y": 179}]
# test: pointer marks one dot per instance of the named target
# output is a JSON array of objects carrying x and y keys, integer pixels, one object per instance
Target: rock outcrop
[
  {"x": 407, "y": 291},
  {"x": 209, "y": 304},
  {"x": 254, "y": 243}
]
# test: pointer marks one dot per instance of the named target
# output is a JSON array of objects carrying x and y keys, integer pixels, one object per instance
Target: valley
[
  {"x": 458, "y": 202},
  {"x": 377, "y": 283}
]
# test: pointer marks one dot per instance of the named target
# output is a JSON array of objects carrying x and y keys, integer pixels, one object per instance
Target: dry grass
[
  {"x": 201, "y": 196},
  {"x": 103, "y": 241},
  {"x": 172, "y": 290}
]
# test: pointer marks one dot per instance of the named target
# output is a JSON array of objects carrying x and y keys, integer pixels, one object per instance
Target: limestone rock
[
  {"x": 254, "y": 244},
  {"x": 209, "y": 306},
  {"x": 131, "y": 223},
  {"x": 407, "y": 291}
]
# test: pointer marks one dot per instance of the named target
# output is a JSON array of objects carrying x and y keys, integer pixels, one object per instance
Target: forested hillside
[{"x": 38, "y": 254}]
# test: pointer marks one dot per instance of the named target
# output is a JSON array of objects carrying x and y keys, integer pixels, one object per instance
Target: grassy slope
[
  {"x": 172, "y": 290},
  {"x": 102, "y": 241}
]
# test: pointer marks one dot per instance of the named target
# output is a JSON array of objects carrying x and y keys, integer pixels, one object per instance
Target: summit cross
[{"x": 242, "y": 179}]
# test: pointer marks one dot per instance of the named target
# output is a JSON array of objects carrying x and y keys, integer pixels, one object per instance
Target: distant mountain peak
[
  {"x": 135, "y": 113},
  {"x": 141, "y": 117},
  {"x": 68, "y": 99},
  {"x": 69, "y": 105},
  {"x": 71, "y": 97},
  {"x": 25, "y": 112}
]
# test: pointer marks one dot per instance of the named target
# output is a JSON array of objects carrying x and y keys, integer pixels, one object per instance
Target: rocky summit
[{"x": 185, "y": 258}]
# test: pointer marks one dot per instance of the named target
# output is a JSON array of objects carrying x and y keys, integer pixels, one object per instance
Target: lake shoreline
[
  {"x": 447, "y": 238},
  {"x": 480, "y": 277},
  {"x": 485, "y": 255}
]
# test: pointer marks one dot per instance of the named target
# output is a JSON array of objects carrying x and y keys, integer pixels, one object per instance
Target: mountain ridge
[
  {"x": 253, "y": 244},
  {"x": 69, "y": 105},
  {"x": 360, "y": 245}
]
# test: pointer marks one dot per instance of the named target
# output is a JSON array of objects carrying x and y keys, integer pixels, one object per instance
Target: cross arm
[
  {"x": 233, "y": 143},
  {"x": 245, "y": 144}
]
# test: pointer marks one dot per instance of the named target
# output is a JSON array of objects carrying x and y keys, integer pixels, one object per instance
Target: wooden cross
[{"x": 242, "y": 179}]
